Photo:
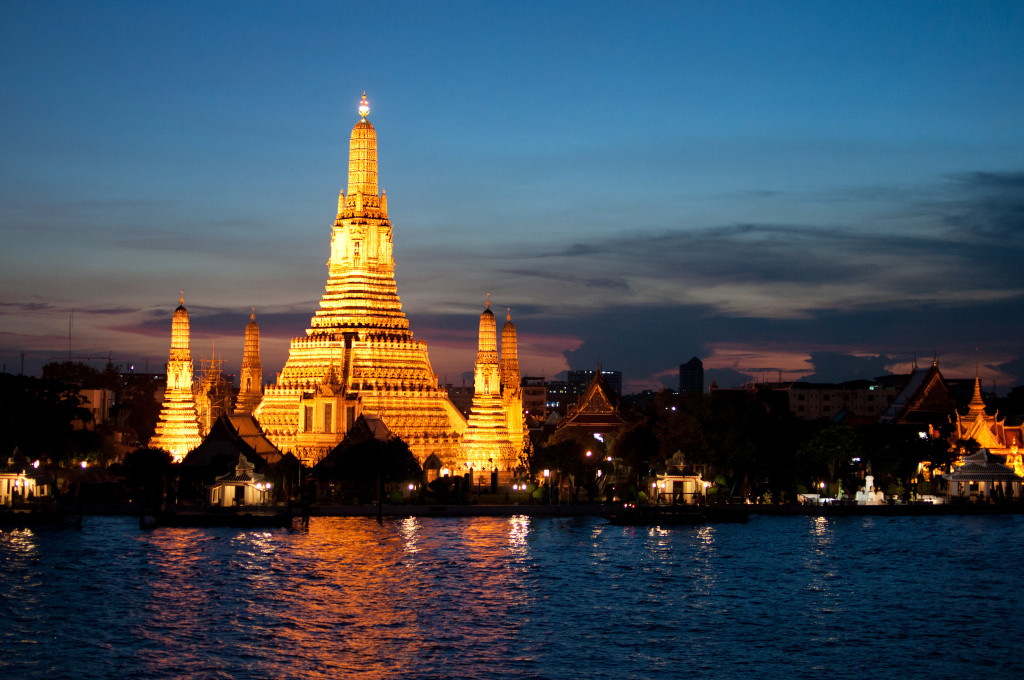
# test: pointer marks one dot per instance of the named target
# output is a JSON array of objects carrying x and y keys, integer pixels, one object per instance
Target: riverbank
[{"x": 583, "y": 510}]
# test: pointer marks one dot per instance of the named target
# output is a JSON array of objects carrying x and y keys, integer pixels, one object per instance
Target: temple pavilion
[
  {"x": 990, "y": 431},
  {"x": 358, "y": 355}
]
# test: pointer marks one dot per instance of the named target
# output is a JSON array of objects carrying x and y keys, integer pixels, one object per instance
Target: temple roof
[
  {"x": 982, "y": 467},
  {"x": 596, "y": 408}
]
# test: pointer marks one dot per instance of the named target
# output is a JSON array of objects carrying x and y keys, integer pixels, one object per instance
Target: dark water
[{"x": 517, "y": 598}]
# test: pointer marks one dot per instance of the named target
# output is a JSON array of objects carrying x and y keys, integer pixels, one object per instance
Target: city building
[
  {"x": 691, "y": 376},
  {"x": 535, "y": 396},
  {"x": 359, "y": 355},
  {"x": 177, "y": 430}
]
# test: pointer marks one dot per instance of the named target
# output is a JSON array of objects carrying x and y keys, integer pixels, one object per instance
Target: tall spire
[
  {"x": 251, "y": 376},
  {"x": 177, "y": 430},
  {"x": 487, "y": 348},
  {"x": 362, "y": 162},
  {"x": 358, "y": 354}
]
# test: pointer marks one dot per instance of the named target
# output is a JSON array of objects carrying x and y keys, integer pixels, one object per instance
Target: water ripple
[{"x": 515, "y": 597}]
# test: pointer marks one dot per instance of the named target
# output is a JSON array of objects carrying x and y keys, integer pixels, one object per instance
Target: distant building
[
  {"x": 535, "y": 396},
  {"x": 560, "y": 396},
  {"x": 597, "y": 412},
  {"x": 461, "y": 396},
  {"x": 691, "y": 376},
  {"x": 580, "y": 381}
]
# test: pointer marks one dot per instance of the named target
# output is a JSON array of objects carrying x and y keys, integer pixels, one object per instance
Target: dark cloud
[
  {"x": 16, "y": 307},
  {"x": 988, "y": 206},
  {"x": 840, "y": 367}
]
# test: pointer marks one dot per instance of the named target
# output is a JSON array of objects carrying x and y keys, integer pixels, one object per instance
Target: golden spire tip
[{"x": 364, "y": 106}]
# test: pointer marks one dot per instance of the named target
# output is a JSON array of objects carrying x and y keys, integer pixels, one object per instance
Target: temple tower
[
  {"x": 358, "y": 355},
  {"x": 486, "y": 444},
  {"x": 511, "y": 383},
  {"x": 250, "y": 390},
  {"x": 177, "y": 430}
]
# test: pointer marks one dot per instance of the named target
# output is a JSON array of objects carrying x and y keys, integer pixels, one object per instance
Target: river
[{"x": 519, "y": 597}]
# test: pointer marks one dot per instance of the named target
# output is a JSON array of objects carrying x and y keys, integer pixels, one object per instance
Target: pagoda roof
[
  {"x": 596, "y": 409},
  {"x": 982, "y": 466},
  {"x": 924, "y": 400},
  {"x": 230, "y": 438}
]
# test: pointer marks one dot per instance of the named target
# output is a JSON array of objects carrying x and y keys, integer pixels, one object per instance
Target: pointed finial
[
  {"x": 488, "y": 305},
  {"x": 508, "y": 314},
  {"x": 252, "y": 317},
  {"x": 364, "y": 106},
  {"x": 181, "y": 300}
]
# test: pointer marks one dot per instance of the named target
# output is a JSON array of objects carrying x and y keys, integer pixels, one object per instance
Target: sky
[{"x": 787, "y": 190}]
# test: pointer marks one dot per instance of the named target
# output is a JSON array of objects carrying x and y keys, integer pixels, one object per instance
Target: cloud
[{"x": 841, "y": 367}]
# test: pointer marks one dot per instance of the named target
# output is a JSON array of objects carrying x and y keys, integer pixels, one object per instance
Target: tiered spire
[
  {"x": 251, "y": 388},
  {"x": 177, "y": 430},
  {"x": 486, "y": 444},
  {"x": 359, "y": 355}
]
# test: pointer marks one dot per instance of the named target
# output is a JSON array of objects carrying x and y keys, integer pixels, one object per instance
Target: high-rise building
[
  {"x": 691, "y": 376},
  {"x": 177, "y": 430},
  {"x": 358, "y": 355}
]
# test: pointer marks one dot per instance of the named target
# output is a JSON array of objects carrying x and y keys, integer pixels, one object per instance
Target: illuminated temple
[
  {"x": 990, "y": 431},
  {"x": 250, "y": 391},
  {"x": 177, "y": 430},
  {"x": 490, "y": 442},
  {"x": 358, "y": 355}
]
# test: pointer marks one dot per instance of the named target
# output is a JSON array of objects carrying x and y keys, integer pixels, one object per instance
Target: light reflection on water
[{"x": 514, "y": 597}]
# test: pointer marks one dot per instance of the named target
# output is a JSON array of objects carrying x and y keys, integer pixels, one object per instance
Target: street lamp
[{"x": 547, "y": 480}]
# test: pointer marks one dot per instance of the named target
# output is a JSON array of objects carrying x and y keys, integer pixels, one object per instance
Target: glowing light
[
  {"x": 547, "y": 473},
  {"x": 589, "y": 454},
  {"x": 364, "y": 106},
  {"x": 84, "y": 465}
]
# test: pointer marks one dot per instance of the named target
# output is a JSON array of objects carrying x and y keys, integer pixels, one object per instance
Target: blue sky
[{"x": 821, "y": 190}]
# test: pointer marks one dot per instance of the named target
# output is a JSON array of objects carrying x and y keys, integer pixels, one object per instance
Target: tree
[
  {"x": 36, "y": 417},
  {"x": 830, "y": 451},
  {"x": 361, "y": 466},
  {"x": 147, "y": 475}
]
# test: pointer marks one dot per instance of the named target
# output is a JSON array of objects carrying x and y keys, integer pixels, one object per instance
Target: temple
[
  {"x": 358, "y": 355},
  {"x": 488, "y": 443},
  {"x": 990, "y": 432},
  {"x": 177, "y": 430},
  {"x": 250, "y": 390}
]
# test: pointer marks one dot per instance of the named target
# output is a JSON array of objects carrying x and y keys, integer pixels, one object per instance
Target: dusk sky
[{"x": 808, "y": 190}]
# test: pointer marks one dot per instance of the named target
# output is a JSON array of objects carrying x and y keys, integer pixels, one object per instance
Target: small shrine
[
  {"x": 241, "y": 487},
  {"x": 983, "y": 476}
]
